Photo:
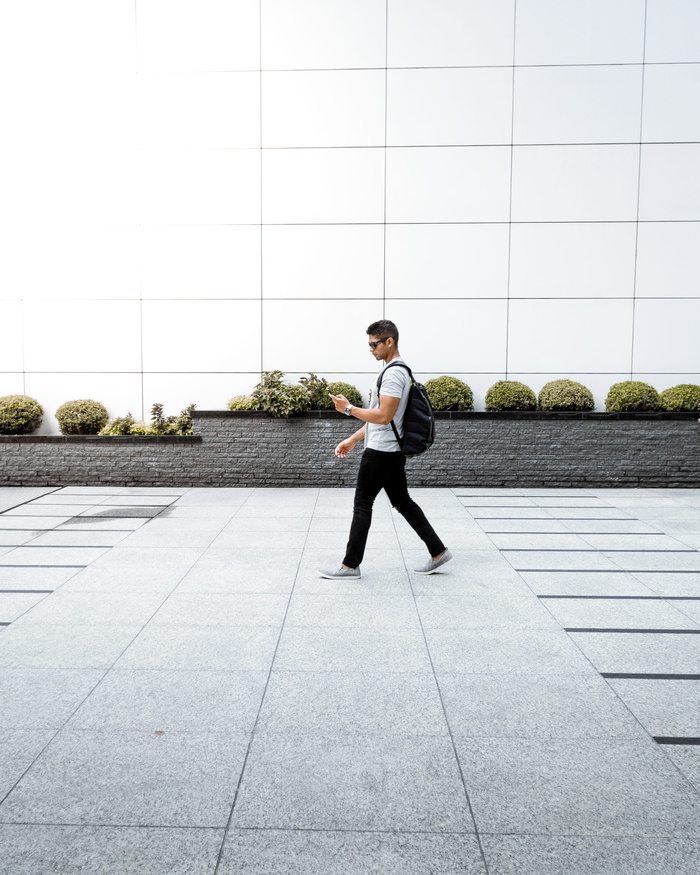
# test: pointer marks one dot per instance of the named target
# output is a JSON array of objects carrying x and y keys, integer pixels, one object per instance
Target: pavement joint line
[
  {"x": 637, "y": 631},
  {"x": 661, "y": 598},
  {"x": 676, "y": 739},
  {"x": 584, "y": 550},
  {"x": 648, "y": 676},
  {"x": 27, "y": 591},
  {"x": 2, "y": 565}
]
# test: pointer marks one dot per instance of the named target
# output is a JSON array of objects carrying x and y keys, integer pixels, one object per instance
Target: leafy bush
[
  {"x": 632, "y": 395},
  {"x": 565, "y": 395},
  {"x": 449, "y": 393},
  {"x": 19, "y": 414},
  {"x": 82, "y": 417},
  {"x": 510, "y": 395},
  {"x": 124, "y": 425},
  {"x": 159, "y": 424},
  {"x": 242, "y": 402},
  {"x": 685, "y": 396},
  {"x": 278, "y": 398},
  {"x": 316, "y": 389}
]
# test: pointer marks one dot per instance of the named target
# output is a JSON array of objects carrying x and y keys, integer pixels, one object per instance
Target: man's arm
[
  {"x": 382, "y": 415},
  {"x": 344, "y": 447}
]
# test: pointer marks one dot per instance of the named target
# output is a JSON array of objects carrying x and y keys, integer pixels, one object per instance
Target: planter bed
[{"x": 249, "y": 448}]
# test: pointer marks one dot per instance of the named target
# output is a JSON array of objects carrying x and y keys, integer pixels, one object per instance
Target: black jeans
[{"x": 386, "y": 471}]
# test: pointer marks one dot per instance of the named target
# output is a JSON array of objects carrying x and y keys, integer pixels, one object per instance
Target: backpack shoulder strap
[{"x": 379, "y": 383}]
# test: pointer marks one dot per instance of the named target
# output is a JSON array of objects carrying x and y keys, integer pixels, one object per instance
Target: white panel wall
[{"x": 203, "y": 189}]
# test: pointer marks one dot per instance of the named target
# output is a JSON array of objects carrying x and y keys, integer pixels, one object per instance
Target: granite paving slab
[
  {"x": 222, "y": 609},
  {"x": 65, "y": 608},
  {"x": 534, "y": 705},
  {"x": 14, "y": 604},
  {"x": 42, "y": 698},
  {"x": 648, "y": 653},
  {"x": 687, "y": 760},
  {"x": 61, "y": 537},
  {"x": 38, "y": 645},
  {"x": 11, "y": 496},
  {"x": 577, "y": 787},
  {"x": 620, "y": 614},
  {"x": 590, "y": 855},
  {"x": 663, "y": 707},
  {"x": 586, "y": 583},
  {"x": 202, "y": 648},
  {"x": 352, "y": 703},
  {"x": 168, "y": 701},
  {"x": 475, "y": 612},
  {"x": 29, "y": 849},
  {"x": 663, "y": 561},
  {"x": 360, "y": 782},
  {"x": 35, "y": 578},
  {"x": 130, "y": 779},
  {"x": 16, "y": 537},
  {"x": 19, "y": 748},
  {"x": 338, "y": 648},
  {"x": 668, "y": 583},
  {"x": 365, "y": 609},
  {"x": 289, "y": 852},
  {"x": 512, "y": 649}
]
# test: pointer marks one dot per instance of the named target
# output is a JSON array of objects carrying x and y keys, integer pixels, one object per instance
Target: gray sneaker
[
  {"x": 432, "y": 565},
  {"x": 341, "y": 573}
]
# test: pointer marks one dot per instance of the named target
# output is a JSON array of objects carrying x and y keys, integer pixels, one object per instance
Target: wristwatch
[{"x": 348, "y": 410}]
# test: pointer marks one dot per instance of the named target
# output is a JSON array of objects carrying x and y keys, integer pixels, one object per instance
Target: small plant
[
  {"x": 449, "y": 393},
  {"x": 317, "y": 391},
  {"x": 565, "y": 395},
  {"x": 685, "y": 396},
  {"x": 124, "y": 425},
  {"x": 19, "y": 414},
  {"x": 161, "y": 424},
  {"x": 510, "y": 395},
  {"x": 278, "y": 398},
  {"x": 632, "y": 395},
  {"x": 242, "y": 402},
  {"x": 82, "y": 417}
]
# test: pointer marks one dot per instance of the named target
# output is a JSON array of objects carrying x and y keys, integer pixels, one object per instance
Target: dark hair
[{"x": 384, "y": 328}]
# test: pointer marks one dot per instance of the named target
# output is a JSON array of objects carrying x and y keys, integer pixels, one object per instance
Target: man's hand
[
  {"x": 340, "y": 401},
  {"x": 344, "y": 448}
]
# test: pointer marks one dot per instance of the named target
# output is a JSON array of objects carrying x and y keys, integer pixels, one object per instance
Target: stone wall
[{"x": 472, "y": 449}]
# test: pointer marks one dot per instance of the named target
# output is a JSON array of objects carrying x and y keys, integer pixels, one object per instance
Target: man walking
[{"x": 383, "y": 464}]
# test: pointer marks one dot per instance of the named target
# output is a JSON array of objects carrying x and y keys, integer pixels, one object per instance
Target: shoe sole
[
  {"x": 340, "y": 576},
  {"x": 433, "y": 570}
]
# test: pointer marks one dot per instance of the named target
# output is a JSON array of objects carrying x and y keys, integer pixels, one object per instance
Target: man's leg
[
  {"x": 397, "y": 490},
  {"x": 370, "y": 479}
]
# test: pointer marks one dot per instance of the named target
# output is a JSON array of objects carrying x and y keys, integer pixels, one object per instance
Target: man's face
[{"x": 381, "y": 346}]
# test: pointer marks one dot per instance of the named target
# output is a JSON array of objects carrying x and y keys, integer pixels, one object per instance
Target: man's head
[{"x": 383, "y": 340}]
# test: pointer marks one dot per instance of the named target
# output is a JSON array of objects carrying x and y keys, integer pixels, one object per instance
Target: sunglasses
[{"x": 373, "y": 344}]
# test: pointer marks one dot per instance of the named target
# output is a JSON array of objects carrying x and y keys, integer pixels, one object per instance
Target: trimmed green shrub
[
  {"x": 339, "y": 388},
  {"x": 632, "y": 395},
  {"x": 242, "y": 402},
  {"x": 19, "y": 414},
  {"x": 684, "y": 396},
  {"x": 82, "y": 417},
  {"x": 565, "y": 395},
  {"x": 510, "y": 395},
  {"x": 449, "y": 393},
  {"x": 278, "y": 398},
  {"x": 350, "y": 392}
]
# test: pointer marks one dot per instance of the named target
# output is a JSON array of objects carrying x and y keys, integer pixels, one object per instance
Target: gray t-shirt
[{"x": 396, "y": 384}]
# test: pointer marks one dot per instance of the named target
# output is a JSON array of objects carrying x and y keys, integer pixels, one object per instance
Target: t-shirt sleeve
[{"x": 394, "y": 382}]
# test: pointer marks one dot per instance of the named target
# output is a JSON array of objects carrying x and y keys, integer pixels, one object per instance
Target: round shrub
[
  {"x": 242, "y": 402},
  {"x": 350, "y": 392},
  {"x": 278, "y": 398},
  {"x": 565, "y": 395},
  {"x": 685, "y": 396},
  {"x": 510, "y": 395},
  {"x": 632, "y": 395},
  {"x": 449, "y": 393},
  {"x": 19, "y": 414},
  {"x": 82, "y": 417}
]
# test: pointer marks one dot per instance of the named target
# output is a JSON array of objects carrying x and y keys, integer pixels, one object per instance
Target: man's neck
[{"x": 396, "y": 355}]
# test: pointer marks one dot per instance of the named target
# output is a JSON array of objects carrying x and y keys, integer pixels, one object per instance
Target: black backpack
[{"x": 418, "y": 420}]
